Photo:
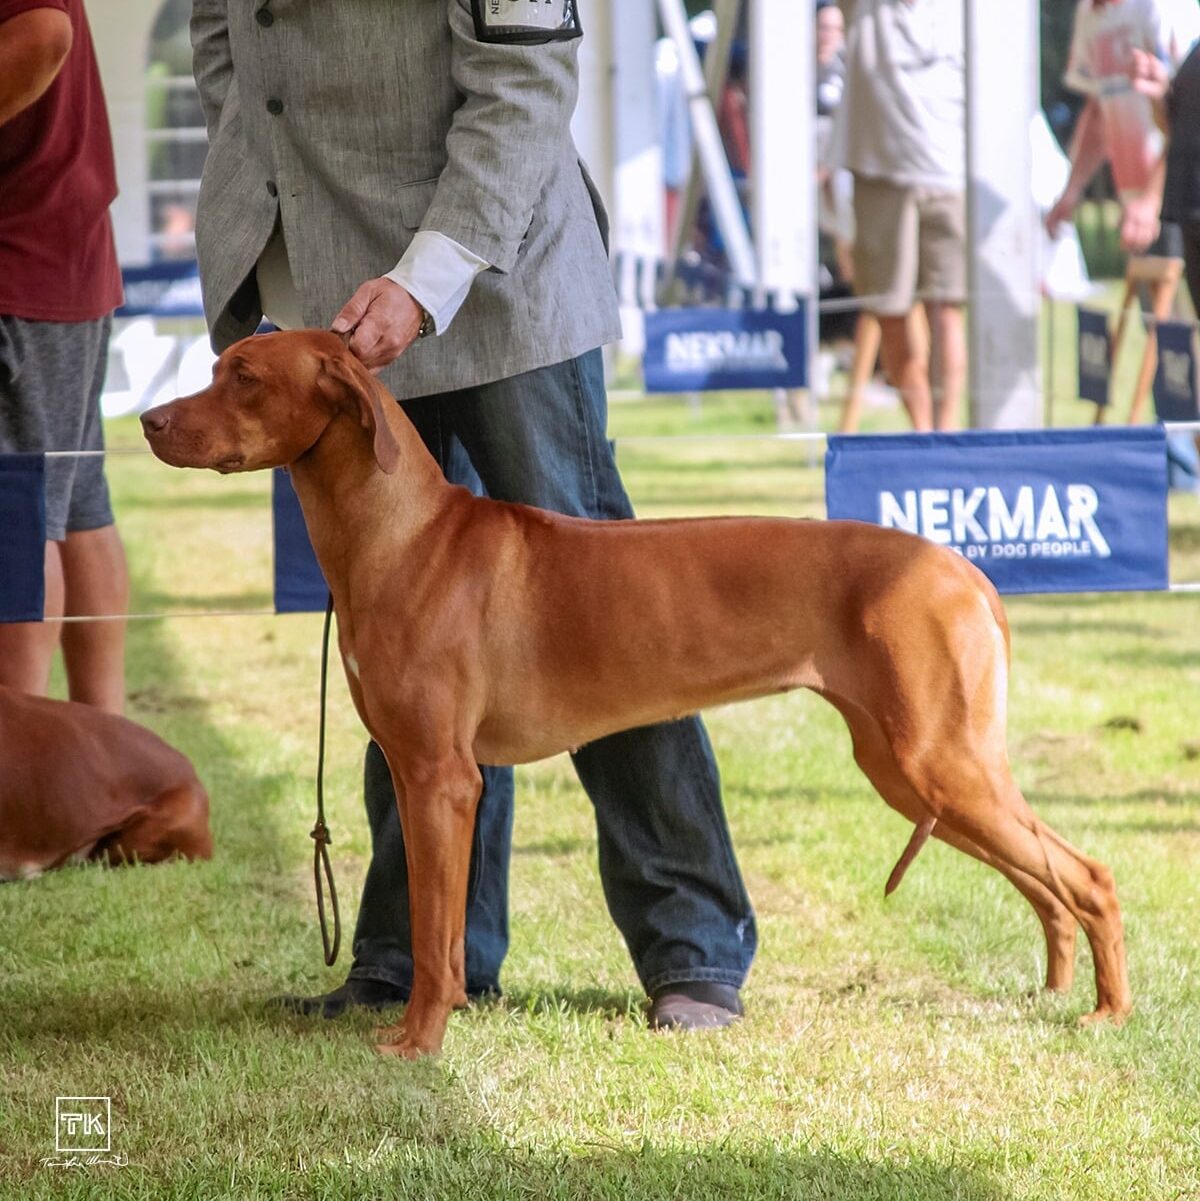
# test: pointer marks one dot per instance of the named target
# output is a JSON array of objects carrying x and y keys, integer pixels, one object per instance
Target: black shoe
[
  {"x": 356, "y": 993},
  {"x": 694, "y": 1005}
]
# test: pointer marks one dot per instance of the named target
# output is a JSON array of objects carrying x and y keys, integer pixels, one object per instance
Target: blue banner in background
[
  {"x": 1037, "y": 511},
  {"x": 1095, "y": 356},
  {"x": 1175, "y": 376},
  {"x": 22, "y": 537},
  {"x": 299, "y": 585},
  {"x": 707, "y": 350},
  {"x": 162, "y": 290}
]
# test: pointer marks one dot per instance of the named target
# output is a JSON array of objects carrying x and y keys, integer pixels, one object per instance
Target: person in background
[
  {"x": 59, "y": 284},
  {"x": 1177, "y": 176},
  {"x": 835, "y": 212},
  {"x": 835, "y": 220},
  {"x": 900, "y": 130},
  {"x": 1176, "y": 105},
  {"x": 1117, "y": 123},
  {"x": 406, "y": 174},
  {"x": 831, "y": 66},
  {"x": 733, "y": 117},
  {"x": 675, "y": 134}
]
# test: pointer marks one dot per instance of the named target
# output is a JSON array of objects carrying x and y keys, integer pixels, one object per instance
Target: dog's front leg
[{"x": 437, "y": 797}]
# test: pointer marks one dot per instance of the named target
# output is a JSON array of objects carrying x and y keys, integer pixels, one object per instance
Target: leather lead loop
[{"x": 320, "y": 832}]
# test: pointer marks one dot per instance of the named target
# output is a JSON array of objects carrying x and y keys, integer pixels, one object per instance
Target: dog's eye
[{"x": 245, "y": 378}]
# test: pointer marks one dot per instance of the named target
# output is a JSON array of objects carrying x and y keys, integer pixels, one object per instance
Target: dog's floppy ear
[{"x": 345, "y": 379}]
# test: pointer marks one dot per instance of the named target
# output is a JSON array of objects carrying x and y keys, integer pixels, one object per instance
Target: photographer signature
[{"x": 90, "y": 1161}]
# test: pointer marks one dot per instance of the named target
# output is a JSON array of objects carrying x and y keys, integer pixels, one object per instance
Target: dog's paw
[
  {"x": 406, "y": 1049},
  {"x": 1107, "y": 1015},
  {"x": 397, "y": 1041}
]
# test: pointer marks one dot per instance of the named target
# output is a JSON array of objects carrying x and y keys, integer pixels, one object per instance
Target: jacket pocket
[
  {"x": 598, "y": 209},
  {"x": 413, "y": 201}
]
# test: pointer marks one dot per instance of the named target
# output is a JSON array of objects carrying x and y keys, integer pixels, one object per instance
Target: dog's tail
[{"x": 919, "y": 837}]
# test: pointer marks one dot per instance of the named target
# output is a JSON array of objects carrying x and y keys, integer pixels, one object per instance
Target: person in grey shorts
[
  {"x": 51, "y": 377},
  {"x": 901, "y": 132},
  {"x": 59, "y": 284}
]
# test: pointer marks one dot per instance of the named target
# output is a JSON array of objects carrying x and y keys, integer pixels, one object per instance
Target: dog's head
[{"x": 271, "y": 398}]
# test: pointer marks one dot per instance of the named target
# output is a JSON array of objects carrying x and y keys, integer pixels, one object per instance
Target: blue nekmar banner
[
  {"x": 1036, "y": 510},
  {"x": 709, "y": 349},
  {"x": 22, "y": 537},
  {"x": 1095, "y": 356},
  {"x": 299, "y": 585}
]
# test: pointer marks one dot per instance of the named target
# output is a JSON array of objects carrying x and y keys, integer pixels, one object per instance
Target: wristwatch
[{"x": 426, "y": 327}]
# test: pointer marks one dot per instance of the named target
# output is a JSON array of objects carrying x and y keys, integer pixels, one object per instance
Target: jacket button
[
  {"x": 274, "y": 106},
  {"x": 265, "y": 17},
  {"x": 272, "y": 190}
]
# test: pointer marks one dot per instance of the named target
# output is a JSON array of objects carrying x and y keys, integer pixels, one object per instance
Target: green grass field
[{"x": 890, "y": 1051}]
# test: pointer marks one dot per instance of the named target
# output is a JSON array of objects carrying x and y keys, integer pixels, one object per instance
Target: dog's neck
[{"x": 348, "y": 499}]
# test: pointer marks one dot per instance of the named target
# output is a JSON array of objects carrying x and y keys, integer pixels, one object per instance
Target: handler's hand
[
  {"x": 1148, "y": 75},
  {"x": 385, "y": 320}
]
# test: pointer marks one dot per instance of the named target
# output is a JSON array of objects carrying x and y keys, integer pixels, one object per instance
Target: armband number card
[{"x": 526, "y": 22}]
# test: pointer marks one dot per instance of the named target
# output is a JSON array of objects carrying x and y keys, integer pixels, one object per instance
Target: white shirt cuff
[{"x": 437, "y": 273}]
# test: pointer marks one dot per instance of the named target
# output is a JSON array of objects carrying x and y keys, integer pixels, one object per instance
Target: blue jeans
[{"x": 670, "y": 877}]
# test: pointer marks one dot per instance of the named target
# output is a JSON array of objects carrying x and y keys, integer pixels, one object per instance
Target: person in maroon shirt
[{"x": 59, "y": 283}]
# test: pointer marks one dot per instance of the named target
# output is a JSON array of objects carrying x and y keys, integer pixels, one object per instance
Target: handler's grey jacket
[{"x": 359, "y": 122}]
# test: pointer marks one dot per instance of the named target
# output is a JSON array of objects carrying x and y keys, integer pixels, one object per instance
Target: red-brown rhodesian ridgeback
[
  {"x": 77, "y": 783},
  {"x": 474, "y": 631}
]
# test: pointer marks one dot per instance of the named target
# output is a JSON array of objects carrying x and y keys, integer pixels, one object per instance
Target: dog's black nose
[{"x": 154, "y": 421}]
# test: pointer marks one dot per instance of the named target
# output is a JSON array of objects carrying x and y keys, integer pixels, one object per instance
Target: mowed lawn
[{"x": 896, "y": 1050}]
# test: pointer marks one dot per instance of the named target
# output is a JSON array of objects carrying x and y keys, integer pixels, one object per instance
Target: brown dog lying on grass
[
  {"x": 474, "y": 631},
  {"x": 77, "y": 783}
]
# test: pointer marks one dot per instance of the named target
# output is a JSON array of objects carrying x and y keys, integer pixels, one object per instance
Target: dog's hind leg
[
  {"x": 979, "y": 801},
  {"x": 1058, "y": 923},
  {"x": 874, "y": 756},
  {"x": 933, "y": 678}
]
